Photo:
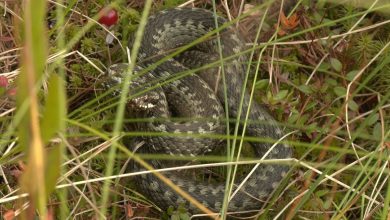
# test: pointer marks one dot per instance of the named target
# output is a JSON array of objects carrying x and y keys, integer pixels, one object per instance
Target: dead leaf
[
  {"x": 9, "y": 215},
  {"x": 50, "y": 214},
  {"x": 16, "y": 173},
  {"x": 248, "y": 7},
  {"x": 22, "y": 165},
  {"x": 287, "y": 24},
  {"x": 129, "y": 210}
]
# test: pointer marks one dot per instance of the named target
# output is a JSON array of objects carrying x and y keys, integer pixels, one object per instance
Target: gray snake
[{"x": 198, "y": 96}]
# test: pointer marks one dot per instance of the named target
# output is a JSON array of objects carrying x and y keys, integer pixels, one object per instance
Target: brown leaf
[
  {"x": 50, "y": 214},
  {"x": 248, "y": 7},
  {"x": 129, "y": 210},
  {"x": 281, "y": 32},
  {"x": 9, "y": 215},
  {"x": 22, "y": 165},
  {"x": 287, "y": 23},
  {"x": 16, "y": 173}
]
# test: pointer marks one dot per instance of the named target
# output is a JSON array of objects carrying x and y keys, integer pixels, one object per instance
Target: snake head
[
  {"x": 143, "y": 101},
  {"x": 117, "y": 71},
  {"x": 115, "y": 74}
]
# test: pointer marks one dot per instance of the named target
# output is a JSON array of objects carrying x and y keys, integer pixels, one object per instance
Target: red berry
[
  {"x": 108, "y": 16},
  {"x": 3, "y": 81}
]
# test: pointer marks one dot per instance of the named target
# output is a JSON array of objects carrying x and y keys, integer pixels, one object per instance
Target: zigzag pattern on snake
[{"x": 199, "y": 95}]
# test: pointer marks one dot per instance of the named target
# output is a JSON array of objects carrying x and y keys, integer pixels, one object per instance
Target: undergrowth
[{"x": 324, "y": 75}]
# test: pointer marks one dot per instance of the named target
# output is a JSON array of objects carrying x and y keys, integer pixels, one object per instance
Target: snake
[{"x": 179, "y": 87}]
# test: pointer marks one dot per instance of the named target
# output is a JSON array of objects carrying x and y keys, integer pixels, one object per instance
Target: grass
[{"x": 323, "y": 73}]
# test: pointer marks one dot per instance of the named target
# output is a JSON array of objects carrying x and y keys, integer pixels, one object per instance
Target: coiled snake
[{"x": 199, "y": 96}]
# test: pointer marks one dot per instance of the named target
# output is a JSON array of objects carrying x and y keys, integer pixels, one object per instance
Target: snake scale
[{"x": 198, "y": 96}]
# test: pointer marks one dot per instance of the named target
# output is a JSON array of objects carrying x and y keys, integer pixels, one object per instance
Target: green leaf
[
  {"x": 327, "y": 204},
  {"x": 372, "y": 119},
  {"x": 133, "y": 14},
  {"x": 321, "y": 193},
  {"x": 305, "y": 89},
  {"x": 352, "y": 74},
  {"x": 281, "y": 95},
  {"x": 312, "y": 127},
  {"x": 293, "y": 118},
  {"x": 340, "y": 91},
  {"x": 261, "y": 84},
  {"x": 38, "y": 40},
  {"x": 324, "y": 88},
  {"x": 2, "y": 91},
  {"x": 55, "y": 109},
  {"x": 53, "y": 167},
  {"x": 302, "y": 120},
  {"x": 331, "y": 81},
  {"x": 336, "y": 64},
  {"x": 324, "y": 66},
  {"x": 353, "y": 105},
  {"x": 175, "y": 217},
  {"x": 270, "y": 98},
  {"x": 377, "y": 131},
  {"x": 33, "y": 62},
  {"x": 170, "y": 210},
  {"x": 184, "y": 216}
]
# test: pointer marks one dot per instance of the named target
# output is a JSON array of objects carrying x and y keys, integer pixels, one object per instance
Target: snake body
[{"x": 198, "y": 96}]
